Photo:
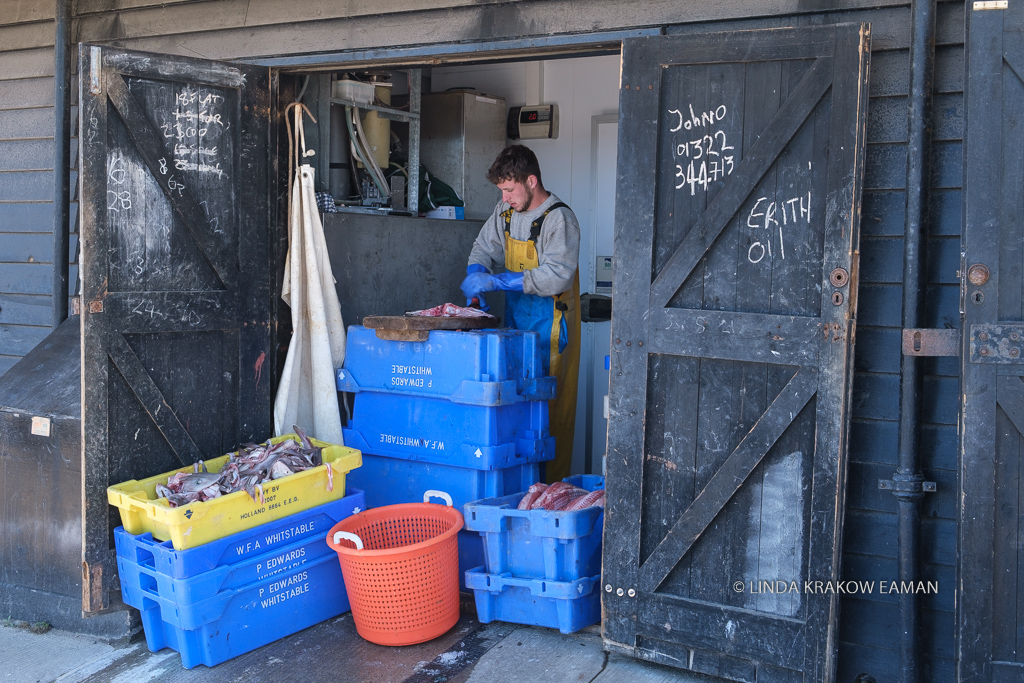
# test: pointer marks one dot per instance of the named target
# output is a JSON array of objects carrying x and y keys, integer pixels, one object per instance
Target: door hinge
[
  {"x": 990, "y": 4},
  {"x": 95, "y": 69},
  {"x": 931, "y": 343},
  {"x": 1001, "y": 343}
]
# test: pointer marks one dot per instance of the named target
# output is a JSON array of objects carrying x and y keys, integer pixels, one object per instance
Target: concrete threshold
[{"x": 471, "y": 652}]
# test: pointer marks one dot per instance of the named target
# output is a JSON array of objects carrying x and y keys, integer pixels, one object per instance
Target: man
[{"x": 537, "y": 239}]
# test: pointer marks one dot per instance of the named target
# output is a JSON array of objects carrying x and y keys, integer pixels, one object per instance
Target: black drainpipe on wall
[
  {"x": 908, "y": 481},
  {"x": 61, "y": 160}
]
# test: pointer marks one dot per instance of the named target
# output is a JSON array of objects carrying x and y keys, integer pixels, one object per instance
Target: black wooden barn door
[
  {"x": 990, "y": 586},
  {"x": 736, "y": 236},
  {"x": 176, "y": 283}
]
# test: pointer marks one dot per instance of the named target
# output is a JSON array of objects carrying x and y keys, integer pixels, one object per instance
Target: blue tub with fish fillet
[
  {"x": 565, "y": 605},
  {"x": 539, "y": 544},
  {"x": 147, "y": 565},
  {"x": 480, "y": 367},
  {"x": 243, "y": 619}
]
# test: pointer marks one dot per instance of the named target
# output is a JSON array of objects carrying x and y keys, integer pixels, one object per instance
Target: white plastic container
[{"x": 353, "y": 91}]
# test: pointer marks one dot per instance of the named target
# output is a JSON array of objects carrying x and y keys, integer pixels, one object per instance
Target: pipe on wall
[
  {"x": 908, "y": 479},
  {"x": 61, "y": 159}
]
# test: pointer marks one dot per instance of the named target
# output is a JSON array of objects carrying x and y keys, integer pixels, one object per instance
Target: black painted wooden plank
[
  {"x": 728, "y": 630},
  {"x": 940, "y": 406},
  {"x": 151, "y": 312},
  {"x": 152, "y": 399},
  {"x": 25, "y": 310},
  {"x": 22, "y": 124},
  {"x": 672, "y": 434},
  {"x": 947, "y": 164},
  {"x": 636, "y": 178},
  {"x": 846, "y": 178},
  {"x": 878, "y": 349},
  {"x": 780, "y": 44},
  {"x": 878, "y": 304},
  {"x": 874, "y": 440},
  {"x": 1006, "y": 579},
  {"x": 22, "y": 216},
  {"x": 728, "y": 478},
  {"x": 20, "y": 339},
  {"x": 939, "y": 444},
  {"x": 948, "y": 110},
  {"x": 773, "y": 139},
  {"x": 729, "y": 335},
  {"x": 18, "y": 155},
  {"x": 257, "y": 215},
  {"x": 25, "y": 278},
  {"x": 875, "y": 396},
  {"x": 855, "y": 659},
  {"x": 881, "y": 260},
  {"x": 886, "y": 163},
  {"x": 25, "y": 186},
  {"x": 882, "y": 213},
  {"x": 874, "y": 533},
  {"x": 151, "y": 148},
  {"x": 743, "y": 524},
  {"x": 26, "y": 92},
  {"x": 1010, "y": 394}
]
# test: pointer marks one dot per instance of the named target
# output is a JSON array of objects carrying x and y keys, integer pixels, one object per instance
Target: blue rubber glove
[
  {"x": 509, "y": 282},
  {"x": 467, "y": 286}
]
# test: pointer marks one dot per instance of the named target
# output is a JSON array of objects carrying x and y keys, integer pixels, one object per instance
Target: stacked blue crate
[
  {"x": 230, "y": 596},
  {"x": 541, "y": 567},
  {"x": 463, "y": 412}
]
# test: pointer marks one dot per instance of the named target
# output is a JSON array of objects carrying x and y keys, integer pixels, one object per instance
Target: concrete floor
[{"x": 332, "y": 651}]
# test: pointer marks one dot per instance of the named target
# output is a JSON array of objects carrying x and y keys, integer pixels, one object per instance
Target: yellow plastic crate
[{"x": 201, "y": 522}]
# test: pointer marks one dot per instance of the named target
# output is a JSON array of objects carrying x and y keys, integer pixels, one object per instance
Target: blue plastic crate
[
  {"x": 446, "y": 433},
  {"x": 321, "y": 576},
  {"x": 207, "y": 585},
  {"x": 389, "y": 481},
  {"x": 565, "y": 605},
  {"x": 539, "y": 544},
  {"x": 244, "y": 546},
  {"x": 249, "y": 618},
  {"x": 486, "y": 367}
]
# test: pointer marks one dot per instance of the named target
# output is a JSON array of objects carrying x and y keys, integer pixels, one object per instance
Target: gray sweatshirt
[{"x": 558, "y": 246}]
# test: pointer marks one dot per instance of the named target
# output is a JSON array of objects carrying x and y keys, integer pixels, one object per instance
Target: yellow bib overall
[{"x": 556, "y": 319}]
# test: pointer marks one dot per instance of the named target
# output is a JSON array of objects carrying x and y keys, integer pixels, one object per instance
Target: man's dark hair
[{"x": 516, "y": 163}]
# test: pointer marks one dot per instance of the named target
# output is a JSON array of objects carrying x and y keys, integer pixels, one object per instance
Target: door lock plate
[{"x": 997, "y": 343}]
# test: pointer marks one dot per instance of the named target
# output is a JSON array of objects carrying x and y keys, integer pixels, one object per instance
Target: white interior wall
[{"x": 579, "y": 167}]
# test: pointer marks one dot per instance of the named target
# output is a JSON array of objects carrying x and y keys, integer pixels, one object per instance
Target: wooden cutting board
[{"x": 418, "y": 327}]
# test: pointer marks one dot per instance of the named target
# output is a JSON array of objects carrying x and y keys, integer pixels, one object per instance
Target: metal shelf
[
  {"x": 386, "y": 112},
  {"x": 412, "y": 116}
]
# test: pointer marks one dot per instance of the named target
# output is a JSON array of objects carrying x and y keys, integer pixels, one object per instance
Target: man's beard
[{"x": 529, "y": 200}]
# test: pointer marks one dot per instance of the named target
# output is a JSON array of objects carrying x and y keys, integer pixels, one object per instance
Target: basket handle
[
  {"x": 437, "y": 494},
  {"x": 339, "y": 535}
]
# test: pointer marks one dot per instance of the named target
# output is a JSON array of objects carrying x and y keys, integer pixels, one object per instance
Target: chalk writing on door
[
  {"x": 769, "y": 219},
  {"x": 191, "y": 127},
  {"x": 700, "y": 147}
]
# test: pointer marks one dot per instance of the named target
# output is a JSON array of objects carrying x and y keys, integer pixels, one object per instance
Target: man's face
[{"x": 518, "y": 195}]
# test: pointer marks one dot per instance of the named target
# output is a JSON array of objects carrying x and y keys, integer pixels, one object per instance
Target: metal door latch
[{"x": 927, "y": 342}]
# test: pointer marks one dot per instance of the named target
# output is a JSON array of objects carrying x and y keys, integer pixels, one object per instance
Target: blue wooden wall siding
[
  {"x": 26, "y": 179},
  {"x": 868, "y": 624}
]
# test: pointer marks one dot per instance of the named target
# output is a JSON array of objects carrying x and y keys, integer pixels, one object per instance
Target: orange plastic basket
[{"x": 401, "y": 569}]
